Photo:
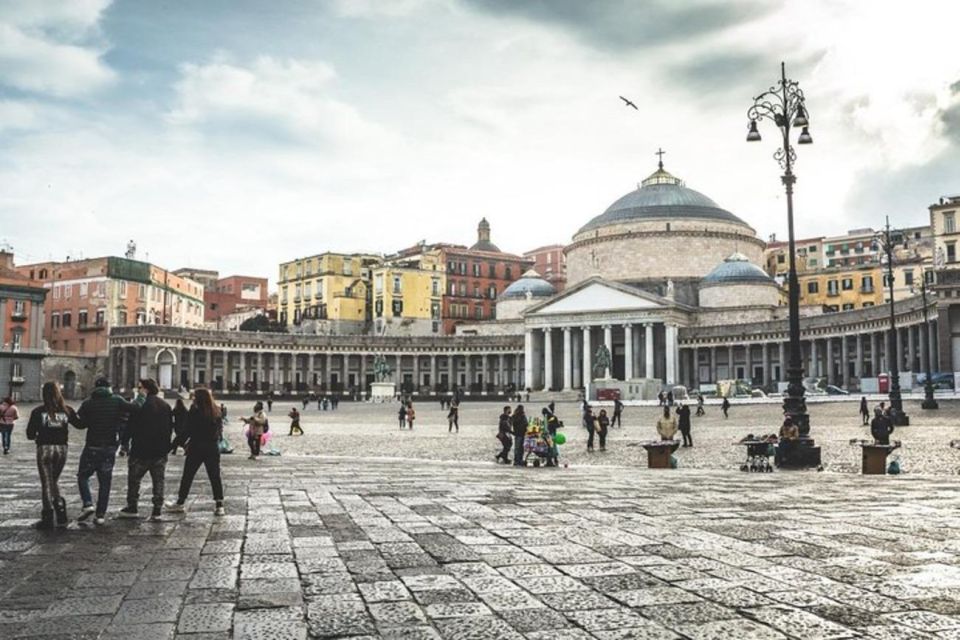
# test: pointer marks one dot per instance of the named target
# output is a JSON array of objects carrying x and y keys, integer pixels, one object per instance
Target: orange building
[
  {"x": 88, "y": 297},
  {"x": 551, "y": 263},
  {"x": 21, "y": 333}
]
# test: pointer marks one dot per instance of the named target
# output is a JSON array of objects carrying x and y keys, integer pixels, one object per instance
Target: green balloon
[{"x": 559, "y": 438}]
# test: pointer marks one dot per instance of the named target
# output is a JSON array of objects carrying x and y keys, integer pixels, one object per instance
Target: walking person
[
  {"x": 603, "y": 423},
  {"x": 306, "y": 401},
  {"x": 503, "y": 435},
  {"x": 270, "y": 402},
  {"x": 864, "y": 411},
  {"x": 670, "y": 398},
  {"x": 700, "y": 411},
  {"x": 294, "y": 416},
  {"x": 48, "y": 428},
  {"x": 552, "y": 423},
  {"x": 661, "y": 398},
  {"x": 257, "y": 425},
  {"x": 201, "y": 440},
  {"x": 589, "y": 423},
  {"x": 683, "y": 422},
  {"x": 402, "y": 415},
  {"x": 151, "y": 430},
  {"x": 102, "y": 416},
  {"x": 8, "y": 416},
  {"x": 411, "y": 415},
  {"x": 725, "y": 407},
  {"x": 453, "y": 418},
  {"x": 179, "y": 420},
  {"x": 223, "y": 412},
  {"x": 519, "y": 423},
  {"x": 667, "y": 425},
  {"x": 617, "y": 413}
]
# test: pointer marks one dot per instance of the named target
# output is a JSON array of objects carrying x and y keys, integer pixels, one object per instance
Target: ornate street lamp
[
  {"x": 886, "y": 242},
  {"x": 784, "y": 105},
  {"x": 929, "y": 402}
]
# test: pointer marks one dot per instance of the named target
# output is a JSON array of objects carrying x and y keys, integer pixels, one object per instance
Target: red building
[
  {"x": 551, "y": 263},
  {"x": 475, "y": 277},
  {"x": 234, "y": 293}
]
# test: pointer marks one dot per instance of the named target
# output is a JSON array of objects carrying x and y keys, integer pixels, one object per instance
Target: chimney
[
  {"x": 483, "y": 231},
  {"x": 6, "y": 259}
]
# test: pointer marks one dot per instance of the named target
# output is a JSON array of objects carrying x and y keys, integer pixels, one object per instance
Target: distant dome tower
[
  {"x": 737, "y": 282},
  {"x": 525, "y": 292},
  {"x": 483, "y": 238},
  {"x": 662, "y": 230}
]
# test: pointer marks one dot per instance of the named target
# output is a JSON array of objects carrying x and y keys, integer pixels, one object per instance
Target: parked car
[{"x": 940, "y": 380}]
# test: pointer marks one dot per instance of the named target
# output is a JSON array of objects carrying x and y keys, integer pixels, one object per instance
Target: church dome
[
  {"x": 531, "y": 285},
  {"x": 737, "y": 269},
  {"x": 663, "y": 196}
]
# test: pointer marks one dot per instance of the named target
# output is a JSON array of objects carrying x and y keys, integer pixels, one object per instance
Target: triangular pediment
[{"x": 598, "y": 296}]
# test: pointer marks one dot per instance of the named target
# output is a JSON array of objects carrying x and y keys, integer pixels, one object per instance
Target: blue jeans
[
  {"x": 5, "y": 432},
  {"x": 97, "y": 460}
]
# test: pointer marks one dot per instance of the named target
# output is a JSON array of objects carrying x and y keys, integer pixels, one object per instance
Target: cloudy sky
[{"x": 235, "y": 134}]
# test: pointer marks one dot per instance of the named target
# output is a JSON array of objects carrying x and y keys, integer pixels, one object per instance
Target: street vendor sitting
[
  {"x": 881, "y": 427},
  {"x": 789, "y": 437},
  {"x": 667, "y": 425}
]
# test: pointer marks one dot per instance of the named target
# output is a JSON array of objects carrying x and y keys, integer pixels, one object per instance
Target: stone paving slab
[{"x": 320, "y": 547}]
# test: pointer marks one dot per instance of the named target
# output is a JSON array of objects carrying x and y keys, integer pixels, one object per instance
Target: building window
[
  {"x": 476, "y": 270},
  {"x": 478, "y": 312},
  {"x": 847, "y": 306},
  {"x": 435, "y": 287},
  {"x": 378, "y": 307},
  {"x": 101, "y": 315},
  {"x": 55, "y": 320},
  {"x": 781, "y": 259},
  {"x": 887, "y": 280},
  {"x": 141, "y": 317},
  {"x": 949, "y": 223},
  {"x": 453, "y": 288},
  {"x": 951, "y": 252},
  {"x": 397, "y": 308},
  {"x": 16, "y": 370},
  {"x": 847, "y": 284},
  {"x": 67, "y": 290},
  {"x": 19, "y": 309},
  {"x": 812, "y": 262},
  {"x": 908, "y": 278},
  {"x": 122, "y": 318},
  {"x": 17, "y": 337},
  {"x": 123, "y": 288},
  {"x": 463, "y": 268},
  {"x": 832, "y": 288},
  {"x": 507, "y": 275},
  {"x": 813, "y": 287},
  {"x": 56, "y": 292},
  {"x": 867, "y": 304},
  {"x": 396, "y": 284},
  {"x": 348, "y": 267},
  {"x": 378, "y": 283},
  {"x": 141, "y": 292},
  {"x": 82, "y": 318},
  {"x": 492, "y": 270},
  {"x": 435, "y": 310},
  {"x": 476, "y": 291},
  {"x": 492, "y": 292},
  {"x": 812, "y": 248},
  {"x": 866, "y": 284},
  {"x": 84, "y": 287},
  {"x": 65, "y": 319},
  {"x": 451, "y": 266},
  {"x": 463, "y": 289}
]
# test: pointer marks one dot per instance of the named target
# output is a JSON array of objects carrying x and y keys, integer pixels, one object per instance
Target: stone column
[
  {"x": 922, "y": 331},
  {"x": 831, "y": 369},
  {"x": 433, "y": 371},
  {"x": 192, "y": 365},
  {"x": 452, "y": 369},
  {"x": 527, "y": 359},
  {"x": 276, "y": 369},
  {"x": 243, "y": 371},
  {"x": 547, "y": 359},
  {"x": 748, "y": 362},
  {"x": 518, "y": 370},
  {"x": 814, "y": 359},
  {"x": 874, "y": 354},
  {"x": 899, "y": 355},
  {"x": 608, "y": 343},
  {"x": 226, "y": 370},
  {"x": 782, "y": 361},
  {"x": 673, "y": 353},
  {"x": 416, "y": 371},
  {"x": 648, "y": 350},
  {"x": 328, "y": 371},
  {"x": 695, "y": 374},
  {"x": 767, "y": 370},
  {"x": 310, "y": 371},
  {"x": 124, "y": 375},
  {"x": 731, "y": 363},
  {"x": 502, "y": 376},
  {"x": 567, "y": 357},
  {"x": 884, "y": 351},
  {"x": 587, "y": 361},
  {"x": 260, "y": 371},
  {"x": 713, "y": 364},
  {"x": 911, "y": 351},
  {"x": 576, "y": 352},
  {"x": 487, "y": 381},
  {"x": 844, "y": 360},
  {"x": 858, "y": 358},
  {"x": 628, "y": 351}
]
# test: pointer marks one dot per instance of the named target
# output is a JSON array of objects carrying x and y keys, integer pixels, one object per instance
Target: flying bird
[{"x": 628, "y": 103}]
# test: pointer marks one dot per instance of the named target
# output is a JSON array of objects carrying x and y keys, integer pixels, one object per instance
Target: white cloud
[{"x": 50, "y": 47}]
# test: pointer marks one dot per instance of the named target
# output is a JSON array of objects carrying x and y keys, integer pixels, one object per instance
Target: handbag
[{"x": 266, "y": 426}]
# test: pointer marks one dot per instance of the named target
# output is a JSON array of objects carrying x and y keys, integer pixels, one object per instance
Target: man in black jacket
[
  {"x": 151, "y": 430},
  {"x": 102, "y": 416},
  {"x": 519, "y": 421}
]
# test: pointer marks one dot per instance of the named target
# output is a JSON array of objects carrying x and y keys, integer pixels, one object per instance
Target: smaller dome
[
  {"x": 531, "y": 285},
  {"x": 736, "y": 269}
]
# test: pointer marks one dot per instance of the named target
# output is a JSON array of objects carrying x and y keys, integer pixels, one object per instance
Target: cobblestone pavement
[
  {"x": 361, "y": 548},
  {"x": 371, "y": 430}
]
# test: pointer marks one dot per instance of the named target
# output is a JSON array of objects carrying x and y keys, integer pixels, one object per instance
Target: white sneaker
[
  {"x": 86, "y": 512},
  {"x": 99, "y": 521},
  {"x": 174, "y": 507},
  {"x": 220, "y": 511}
]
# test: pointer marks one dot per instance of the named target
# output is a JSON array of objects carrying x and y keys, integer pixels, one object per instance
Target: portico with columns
[{"x": 639, "y": 329}]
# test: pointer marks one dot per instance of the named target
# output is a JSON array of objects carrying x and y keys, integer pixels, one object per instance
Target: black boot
[
  {"x": 61, "y": 513},
  {"x": 46, "y": 520}
]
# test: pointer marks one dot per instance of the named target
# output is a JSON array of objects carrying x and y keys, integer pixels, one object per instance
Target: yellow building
[
  {"x": 328, "y": 286},
  {"x": 407, "y": 294},
  {"x": 842, "y": 288}
]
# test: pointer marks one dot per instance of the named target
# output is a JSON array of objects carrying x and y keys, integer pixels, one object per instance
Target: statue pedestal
[
  {"x": 634, "y": 389},
  {"x": 382, "y": 391}
]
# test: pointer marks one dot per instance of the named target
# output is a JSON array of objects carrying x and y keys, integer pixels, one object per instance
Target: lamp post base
[
  {"x": 899, "y": 419},
  {"x": 929, "y": 403}
]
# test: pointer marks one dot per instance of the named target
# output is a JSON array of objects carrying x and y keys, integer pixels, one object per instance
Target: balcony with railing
[
  {"x": 18, "y": 315},
  {"x": 91, "y": 326}
]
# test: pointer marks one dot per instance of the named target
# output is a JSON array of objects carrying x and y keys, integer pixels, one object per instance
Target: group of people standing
[
  {"x": 144, "y": 427},
  {"x": 512, "y": 429}
]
